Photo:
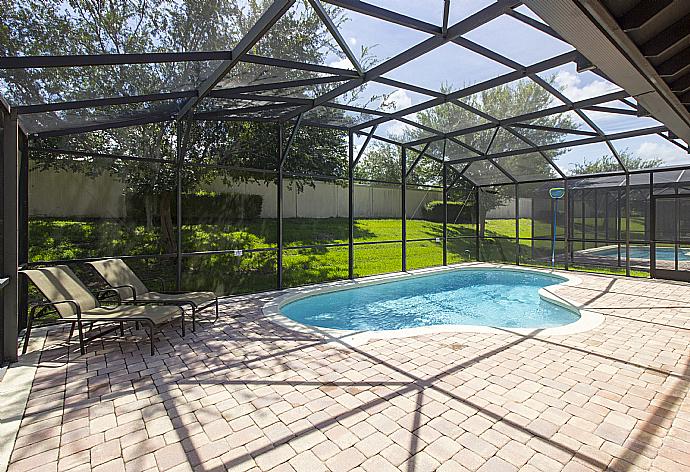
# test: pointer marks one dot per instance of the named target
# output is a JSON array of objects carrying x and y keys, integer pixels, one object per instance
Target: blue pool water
[
  {"x": 507, "y": 299},
  {"x": 642, "y": 252}
]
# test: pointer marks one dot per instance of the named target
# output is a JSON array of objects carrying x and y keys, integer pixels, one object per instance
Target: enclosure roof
[
  {"x": 384, "y": 71},
  {"x": 643, "y": 46}
]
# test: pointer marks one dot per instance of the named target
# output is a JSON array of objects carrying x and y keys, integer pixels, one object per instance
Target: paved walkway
[{"x": 245, "y": 394}]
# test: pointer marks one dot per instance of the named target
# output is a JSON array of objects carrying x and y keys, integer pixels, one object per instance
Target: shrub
[
  {"x": 458, "y": 212},
  {"x": 215, "y": 208}
]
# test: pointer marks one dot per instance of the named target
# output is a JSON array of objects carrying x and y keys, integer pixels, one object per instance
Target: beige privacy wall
[
  {"x": 66, "y": 195},
  {"x": 63, "y": 194}
]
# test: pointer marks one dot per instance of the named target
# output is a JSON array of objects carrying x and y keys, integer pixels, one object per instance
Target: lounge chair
[
  {"x": 132, "y": 290},
  {"x": 75, "y": 304}
]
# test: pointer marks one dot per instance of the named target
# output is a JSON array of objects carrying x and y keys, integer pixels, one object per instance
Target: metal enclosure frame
[{"x": 292, "y": 112}]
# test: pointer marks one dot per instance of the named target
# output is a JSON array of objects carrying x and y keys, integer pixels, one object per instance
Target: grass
[{"x": 226, "y": 273}]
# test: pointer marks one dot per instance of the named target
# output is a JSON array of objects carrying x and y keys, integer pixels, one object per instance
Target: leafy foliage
[
  {"x": 608, "y": 163},
  {"x": 458, "y": 212},
  {"x": 61, "y": 27},
  {"x": 383, "y": 161}
]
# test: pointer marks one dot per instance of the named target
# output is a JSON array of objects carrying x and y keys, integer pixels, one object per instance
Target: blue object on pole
[{"x": 556, "y": 194}]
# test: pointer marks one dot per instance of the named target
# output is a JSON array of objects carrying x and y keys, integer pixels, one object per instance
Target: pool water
[
  {"x": 497, "y": 298},
  {"x": 643, "y": 252}
]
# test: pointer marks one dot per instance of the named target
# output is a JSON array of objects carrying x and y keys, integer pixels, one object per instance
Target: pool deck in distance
[
  {"x": 246, "y": 393},
  {"x": 594, "y": 257}
]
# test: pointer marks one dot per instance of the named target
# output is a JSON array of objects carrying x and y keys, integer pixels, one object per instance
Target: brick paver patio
[{"x": 245, "y": 394}]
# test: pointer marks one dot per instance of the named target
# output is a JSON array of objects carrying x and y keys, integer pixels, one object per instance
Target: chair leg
[
  {"x": 81, "y": 337},
  {"x": 183, "y": 328},
  {"x": 151, "y": 336},
  {"x": 136, "y": 325},
  {"x": 193, "y": 318},
  {"x": 29, "y": 323},
  {"x": 216, "y": 311},
  {"x": 122, "y": 328},
  {"x": 71, "y": 331}
]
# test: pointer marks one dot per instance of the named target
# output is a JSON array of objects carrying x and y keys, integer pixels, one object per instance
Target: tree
[
  {"x": 60, "y": 27},
  {"x": 498, "y": 102},
  {"x": 381, "y": 162},
  {"x": 608, "y": 163}
]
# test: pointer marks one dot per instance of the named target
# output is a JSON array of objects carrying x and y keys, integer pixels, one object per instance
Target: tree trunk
[
  {"x": 482, "y": 222},
  {"x": 168, "y": 237},
  {"x": 148, "y": 207}
]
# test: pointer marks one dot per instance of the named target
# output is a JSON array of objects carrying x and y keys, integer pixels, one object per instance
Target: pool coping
[
  {"x": 595, "y": 251},
  {"x": 271, "y": 310}
]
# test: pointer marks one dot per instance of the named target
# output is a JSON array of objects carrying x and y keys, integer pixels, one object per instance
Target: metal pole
[
  {"x": 404, "y": 207},
  {"x": 554, "y": 208},
  {"x": 619, "y": 215},
  {"x": 571, "y": 224},
  {"x": 476, "y": 224},
  {"x": 10, "y": 250},
  {"x": 279, "y": 210},
  {"x": 652, "y": 227},
  {"x": 517, "y": 225},
  {"x": 648, "y": 210},
  {"x": 676, "y": 213},
  {"x": 445, "y": 212},
  {"x": 351, "y": 208},
  {"x": 627, "y": 226},
  {"x": 583, "y": 219},
  {"x": 23, "y": 229},
  {"x": 180, "y": 158},
  {"x": 606, "y": 215},
  {"x": 596, "y": 219},
  {"x": 566, "y": 233},
  {"x": 532, "y": 224}
]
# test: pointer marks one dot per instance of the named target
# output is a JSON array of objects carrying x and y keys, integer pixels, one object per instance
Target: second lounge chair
[{"x": 132, "y": 290}]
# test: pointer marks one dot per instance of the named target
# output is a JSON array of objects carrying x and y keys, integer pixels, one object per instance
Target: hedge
[
  {"x": 458, "y": 212},
  {"x": 205, "y": 208}
]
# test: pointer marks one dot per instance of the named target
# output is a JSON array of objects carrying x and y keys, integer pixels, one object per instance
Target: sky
[{"x": 457, "y": 67}]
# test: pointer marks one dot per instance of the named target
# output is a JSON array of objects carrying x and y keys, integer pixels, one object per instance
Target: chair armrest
[
  {"x": 162, "y": 282},
  {"x": 107, "y": 292},
  {"x": 73, "y": 303},
  {"x": 131, "y": 287}
]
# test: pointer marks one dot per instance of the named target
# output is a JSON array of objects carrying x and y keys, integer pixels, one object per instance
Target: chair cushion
[
  {"x": 198, "y": 298},
  {"x": 157, "y": 314}
]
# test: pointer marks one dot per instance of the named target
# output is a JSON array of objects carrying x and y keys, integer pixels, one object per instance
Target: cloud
[
  {"x": 352, "y": 40},
  {"x": 667, "y": 152},
  {"x": 575, "y": 90},
  {"x": 398, "y": 100},
  {"x": 343, "y": 63},
  {"x": 397, "y": 128}
]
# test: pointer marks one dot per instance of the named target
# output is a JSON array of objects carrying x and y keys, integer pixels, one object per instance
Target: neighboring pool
[
  {"x": 484, "y": 297},
  {"x": 643, "y": 252}
]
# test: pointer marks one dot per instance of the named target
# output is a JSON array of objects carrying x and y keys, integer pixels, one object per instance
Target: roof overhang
[{"x": 594, "y": 31}]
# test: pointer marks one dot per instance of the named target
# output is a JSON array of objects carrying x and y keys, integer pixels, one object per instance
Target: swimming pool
[
  {"x": 477, "y": 297},
  {"x": 643, "y": 252}
]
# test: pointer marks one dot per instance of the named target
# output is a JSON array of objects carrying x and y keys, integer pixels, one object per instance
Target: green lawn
[{"x": 226, "y": 273}]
